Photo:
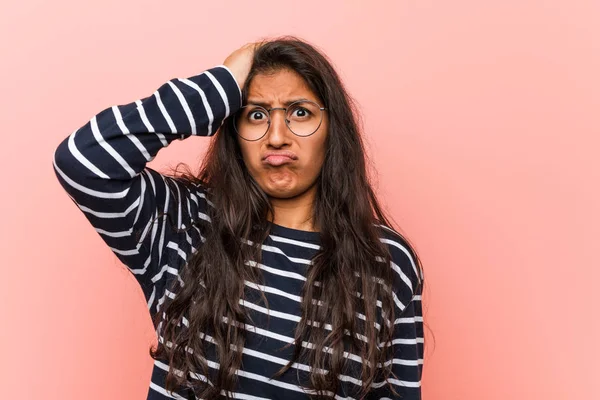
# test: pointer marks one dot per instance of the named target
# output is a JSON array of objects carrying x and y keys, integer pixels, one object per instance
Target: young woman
[{"x": 273, "y": 273}]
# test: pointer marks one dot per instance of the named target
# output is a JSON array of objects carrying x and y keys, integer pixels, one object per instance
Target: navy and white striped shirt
[{"x": 102, "y": 167}]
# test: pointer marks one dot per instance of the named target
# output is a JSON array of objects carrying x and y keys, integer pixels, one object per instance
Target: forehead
[{"x": 279, "y": 87}]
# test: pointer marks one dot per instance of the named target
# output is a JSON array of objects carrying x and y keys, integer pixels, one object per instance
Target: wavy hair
[{"x": 348, "y": 214}]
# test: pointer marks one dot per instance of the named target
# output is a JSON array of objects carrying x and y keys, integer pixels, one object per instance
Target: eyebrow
[{"x": 268, "y": 105}]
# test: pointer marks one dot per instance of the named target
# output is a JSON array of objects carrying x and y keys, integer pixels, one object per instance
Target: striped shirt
[{"x": 102, "y": 167}]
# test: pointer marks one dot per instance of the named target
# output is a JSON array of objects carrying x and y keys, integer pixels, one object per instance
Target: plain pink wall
[{"x": 482, "y": 118}]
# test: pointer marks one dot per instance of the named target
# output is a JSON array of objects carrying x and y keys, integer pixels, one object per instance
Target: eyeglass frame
[{"x": 268, "y": 110}]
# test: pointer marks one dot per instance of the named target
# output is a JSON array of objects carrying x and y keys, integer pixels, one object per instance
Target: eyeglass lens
[{"x": 303, "y": 118}]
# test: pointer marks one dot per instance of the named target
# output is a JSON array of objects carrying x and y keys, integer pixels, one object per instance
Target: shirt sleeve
[
  {"x": 408, "y": 342},
  {"x": 102, "y": 167}
]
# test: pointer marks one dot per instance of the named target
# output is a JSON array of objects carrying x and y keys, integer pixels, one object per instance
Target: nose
[{"x": 277, "y": 135}]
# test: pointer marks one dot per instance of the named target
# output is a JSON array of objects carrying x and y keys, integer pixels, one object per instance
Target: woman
[{"x": 273, "y": 273}]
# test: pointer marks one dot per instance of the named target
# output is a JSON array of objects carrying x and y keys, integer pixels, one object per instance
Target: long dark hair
[{"x": 348, "y": 214}]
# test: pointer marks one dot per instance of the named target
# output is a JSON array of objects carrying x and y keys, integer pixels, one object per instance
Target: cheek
[
  {"x": 250, "y": 157},
  {"x": 308, "y": 171},
  {"x": 317, "y": 154}
]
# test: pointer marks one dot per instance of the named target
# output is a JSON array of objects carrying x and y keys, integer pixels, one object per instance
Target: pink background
[{"x": 482, "y": 118}]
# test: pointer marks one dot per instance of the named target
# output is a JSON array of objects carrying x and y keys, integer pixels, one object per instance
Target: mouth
[{"x": 277, "y": 158}]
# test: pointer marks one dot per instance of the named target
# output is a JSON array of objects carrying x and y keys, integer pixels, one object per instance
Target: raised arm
[{"x": 102, "y": 167}]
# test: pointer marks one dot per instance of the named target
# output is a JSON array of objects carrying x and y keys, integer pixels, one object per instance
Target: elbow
[
  {"x": 62, "y": 157},
  {"x": 65, "y": 164}
]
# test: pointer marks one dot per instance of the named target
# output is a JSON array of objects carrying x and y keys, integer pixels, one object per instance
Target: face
[{"x": 284, "y": 165}]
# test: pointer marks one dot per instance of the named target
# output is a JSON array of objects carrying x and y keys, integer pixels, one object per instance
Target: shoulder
[{"x": 404, "y": 261}]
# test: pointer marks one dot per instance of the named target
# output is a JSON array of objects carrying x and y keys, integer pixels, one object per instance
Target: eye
[
  {"x": 300, "y": 112},
  {"x": 257, "y": 115}
]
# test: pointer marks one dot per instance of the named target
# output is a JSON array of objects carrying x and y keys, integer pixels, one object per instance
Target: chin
[
  {"x": 281, "y": 185},
  {"x": 282, "y": 193}
]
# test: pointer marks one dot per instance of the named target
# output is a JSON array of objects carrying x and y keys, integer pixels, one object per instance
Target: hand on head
[{"x": 240, "y": 62}]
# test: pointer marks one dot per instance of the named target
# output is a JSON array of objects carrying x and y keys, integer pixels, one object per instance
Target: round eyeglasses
[{"x": 303, "y": 118}]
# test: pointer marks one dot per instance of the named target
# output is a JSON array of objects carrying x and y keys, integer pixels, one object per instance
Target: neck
[{"x": 295, "y": 213}]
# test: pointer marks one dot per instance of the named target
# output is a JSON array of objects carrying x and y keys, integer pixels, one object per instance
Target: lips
[{"x": 277, "y": 158}]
